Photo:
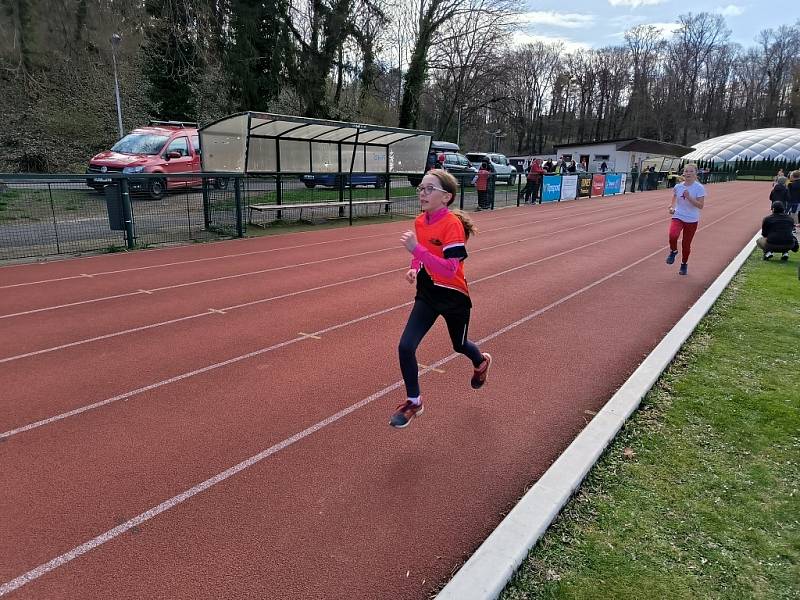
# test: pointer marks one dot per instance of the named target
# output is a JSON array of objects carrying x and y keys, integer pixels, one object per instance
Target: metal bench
[{"x": 279, "y": 208}]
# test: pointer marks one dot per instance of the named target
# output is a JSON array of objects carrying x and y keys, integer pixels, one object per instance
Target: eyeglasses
[{"x": 428, "y": 189}]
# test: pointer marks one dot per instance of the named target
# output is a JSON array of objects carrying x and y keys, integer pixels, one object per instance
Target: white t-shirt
[{"x": 685, "y": 210}]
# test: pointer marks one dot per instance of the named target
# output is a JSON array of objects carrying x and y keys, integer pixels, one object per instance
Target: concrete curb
[{"x": 486, "y": 573}]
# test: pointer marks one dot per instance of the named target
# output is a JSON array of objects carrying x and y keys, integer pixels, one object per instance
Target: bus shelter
[{"x": 254, "y": 143}]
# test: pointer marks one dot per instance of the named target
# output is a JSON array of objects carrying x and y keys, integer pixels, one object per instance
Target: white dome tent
[{"x": 774, "y": 143}]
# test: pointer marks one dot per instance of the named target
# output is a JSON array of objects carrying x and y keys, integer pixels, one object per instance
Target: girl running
[
  {"x": 437, "y": 266},
  {"x": 688, "y": 199}
]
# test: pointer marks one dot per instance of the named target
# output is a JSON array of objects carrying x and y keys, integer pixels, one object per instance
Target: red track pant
[{"x": 675, "y": 228}]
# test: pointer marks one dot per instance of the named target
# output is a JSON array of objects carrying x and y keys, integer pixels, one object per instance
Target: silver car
[{"x": 504, "y": 170}]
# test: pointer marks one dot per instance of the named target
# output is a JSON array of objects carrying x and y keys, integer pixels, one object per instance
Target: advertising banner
[
  {"x": 584, "y": 185},
  {"x": 551, "y": 188},
  {"x": 598, "y": 184},
  {"x": 613, "y": 181},
  {"x": 569, "y": 187}
]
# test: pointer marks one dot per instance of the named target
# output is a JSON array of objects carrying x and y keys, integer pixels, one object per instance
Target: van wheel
[
  {"x": 156, "y": 188},
  {"x": 221, "y": 183}
]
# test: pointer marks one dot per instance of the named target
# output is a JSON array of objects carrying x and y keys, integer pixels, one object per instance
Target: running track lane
[
  {"x": 340, "y": 499},
  {"x": 157, "y": 356}
]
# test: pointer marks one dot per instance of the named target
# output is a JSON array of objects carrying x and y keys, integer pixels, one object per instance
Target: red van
[{"x": 162, "y": 147}]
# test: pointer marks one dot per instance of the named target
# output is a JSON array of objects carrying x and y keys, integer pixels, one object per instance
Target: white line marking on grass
[
  {"x": 287, "y": 295},
  {"x": 101, "y": 539}
]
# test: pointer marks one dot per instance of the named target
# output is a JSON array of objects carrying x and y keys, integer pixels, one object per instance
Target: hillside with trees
[{"x": 411, "y": 63}]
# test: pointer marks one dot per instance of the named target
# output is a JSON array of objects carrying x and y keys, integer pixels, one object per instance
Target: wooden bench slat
[{"x": 339, "y": 205}]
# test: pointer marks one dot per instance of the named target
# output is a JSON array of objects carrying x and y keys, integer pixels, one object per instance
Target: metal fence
[{"x": 44, "y": 215}]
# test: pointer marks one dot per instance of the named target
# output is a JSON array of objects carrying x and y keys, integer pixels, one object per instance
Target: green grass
[
  {"x": 34, "y": 205},
  {"x": 699, "y": 496}
]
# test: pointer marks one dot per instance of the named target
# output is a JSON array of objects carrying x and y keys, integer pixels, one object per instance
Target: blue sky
[{"x": 598, "y": 23}]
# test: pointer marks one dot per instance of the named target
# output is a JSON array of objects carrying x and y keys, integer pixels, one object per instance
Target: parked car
[
  {"x": 312, "y": 180},
  {"x": 437, "y": 148},
  {"x": 162, "y": 147},
  {"x": 459, "y": 165},
  {"x": 504, "y": 170}
]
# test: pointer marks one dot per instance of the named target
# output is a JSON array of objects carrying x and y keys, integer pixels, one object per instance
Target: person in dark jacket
[
  {"x": 794, "y": 195},
  {"x": 780, "y": 193},
  {"x": 777, "y": 233}
]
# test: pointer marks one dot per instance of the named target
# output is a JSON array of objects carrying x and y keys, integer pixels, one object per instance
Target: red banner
[{"x": 598, "y": 184}]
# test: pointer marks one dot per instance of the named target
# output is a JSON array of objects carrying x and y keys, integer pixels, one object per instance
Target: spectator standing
[
  {"x": 778, "y": 176},
  {"x": 603, "y": 167},
  {"x": 780, "y": 193},
  {"x": 794, "y": 195},
  {"x": 533, "y": 181},
  {"x": 634, "y": 177},
  {"x": 481, "y": 182},
  {"x": 652, "y": 178}
]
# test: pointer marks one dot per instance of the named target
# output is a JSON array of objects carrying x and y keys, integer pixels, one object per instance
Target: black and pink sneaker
[{"x": 479, "y": 376}]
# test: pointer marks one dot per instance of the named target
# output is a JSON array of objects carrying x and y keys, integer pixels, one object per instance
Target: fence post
[
  {"x": 237, "y": 194},
  {"x": 461, "y": 193},
  {"x": 206, "y": 205},
  {"x": 127, "y": 213}
]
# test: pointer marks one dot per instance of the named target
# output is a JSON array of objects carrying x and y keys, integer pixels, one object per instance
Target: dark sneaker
[
  {"x": 671, "y": 257},
  {"x": 785, "y": 256},
  {"x": 405, "y": 412},
  {"x": 684, "y": 269},
  {"x": 479, "y": 376}
]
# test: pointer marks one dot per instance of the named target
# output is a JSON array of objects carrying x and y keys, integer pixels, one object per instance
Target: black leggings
[{"x": 421, "y": 319}]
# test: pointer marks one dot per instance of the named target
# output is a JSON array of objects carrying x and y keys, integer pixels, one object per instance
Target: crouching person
[{"x": 777, "y": 231}]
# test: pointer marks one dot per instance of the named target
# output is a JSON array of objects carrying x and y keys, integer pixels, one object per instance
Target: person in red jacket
[
  {"x": 481, "y": 182},
  {"x": 438, "y": 249},
  {"x": 533, "y": 182}
]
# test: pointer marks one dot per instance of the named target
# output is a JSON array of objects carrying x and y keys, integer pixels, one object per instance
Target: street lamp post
[
  {"x": 115, "y": 41},
  {"x": 458, "y": 132}
]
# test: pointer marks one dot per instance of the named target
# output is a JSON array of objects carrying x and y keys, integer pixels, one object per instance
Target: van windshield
[
  {"x": 476, "y": 157},
  {"x": 140, "y": 143}
]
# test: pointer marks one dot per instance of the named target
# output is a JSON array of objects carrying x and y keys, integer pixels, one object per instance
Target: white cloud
[
  {"x": 635, "y": 3},
  {"x": 666, "y": 29},
  {"x": 519, "y": 39},
  {"x": 731, "y": 10},
  {"x": 555, "y": 19}
]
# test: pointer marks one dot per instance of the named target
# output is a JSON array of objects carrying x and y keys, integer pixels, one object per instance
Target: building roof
[
  {"x": 777, "y": 143},
  {"x": 637, "y": 144}
]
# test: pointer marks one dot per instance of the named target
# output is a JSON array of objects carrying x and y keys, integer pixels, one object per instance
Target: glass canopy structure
[
  {"x": 776, "y": 143},
  {"x": 261, "y": 143}
]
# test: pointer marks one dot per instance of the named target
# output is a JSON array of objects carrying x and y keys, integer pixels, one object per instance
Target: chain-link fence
[{"x": 42, "y": 215}]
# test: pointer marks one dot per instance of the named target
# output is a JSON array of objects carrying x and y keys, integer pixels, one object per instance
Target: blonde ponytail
[{"x": 466, "y": 221}]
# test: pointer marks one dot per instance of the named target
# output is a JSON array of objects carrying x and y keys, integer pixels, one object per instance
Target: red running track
[{"x": 211, "y": 421}]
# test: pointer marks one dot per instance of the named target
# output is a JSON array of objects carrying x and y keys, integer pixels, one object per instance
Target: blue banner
[
  {"x": 551, "y": 188},
  {"x": 613, "y": 184}
]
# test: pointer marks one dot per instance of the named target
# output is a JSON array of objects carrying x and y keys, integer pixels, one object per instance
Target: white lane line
[
  {"x": 211, "y": 280},
  {"x": 101, "y": 539},
  {"x": 132, "y": 269},
  {"x": 186, "y": 262},
  {"x": 125, "y": 396},
  {"x": 290, "y": 294},
  {"x": 309, "y": 335}
]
